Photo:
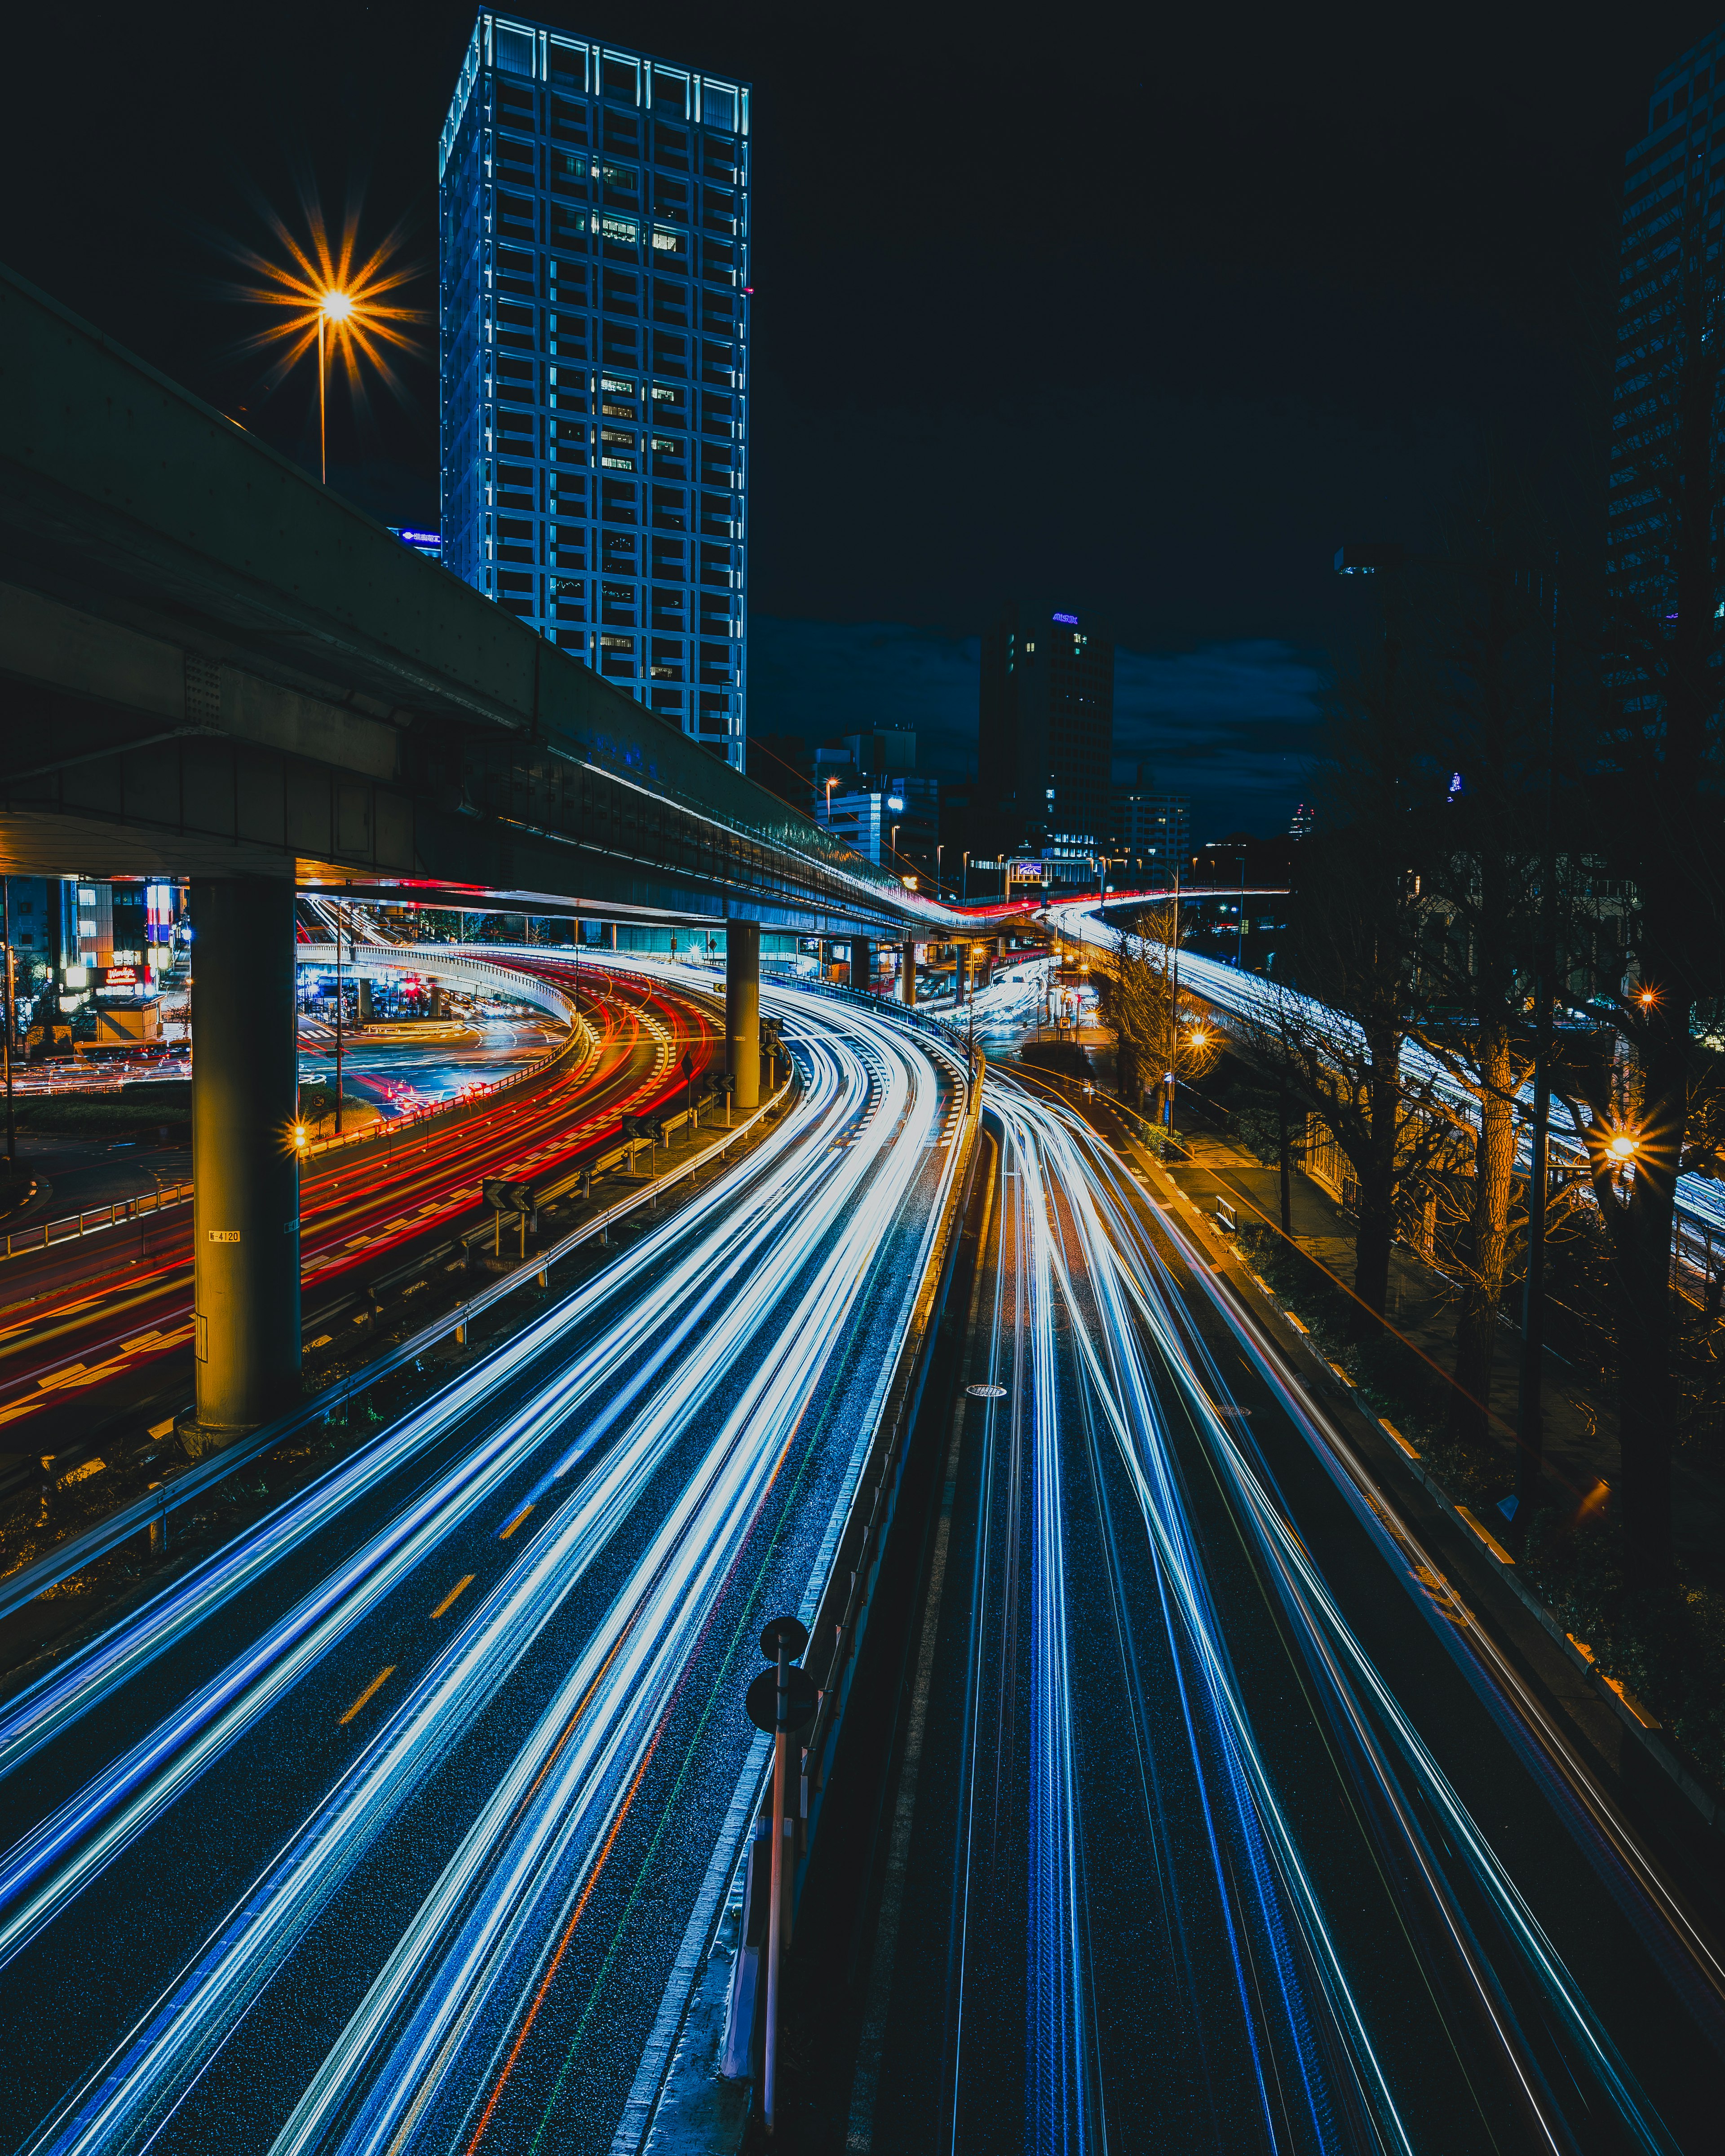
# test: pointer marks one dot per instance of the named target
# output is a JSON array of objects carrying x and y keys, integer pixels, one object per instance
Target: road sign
[
  {"x": 760, "y": 1701},
  {"x": 786, "y": 1632},
  {"x": 506, "y": 1197}
]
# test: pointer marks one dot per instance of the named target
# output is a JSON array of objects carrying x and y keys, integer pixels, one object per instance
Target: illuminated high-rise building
[
  {"x": 594, "y": 280},
  {"x": 1046, "y": 732}
]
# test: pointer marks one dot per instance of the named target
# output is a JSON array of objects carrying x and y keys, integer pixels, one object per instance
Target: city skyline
[{"x": 891, "y": 488}]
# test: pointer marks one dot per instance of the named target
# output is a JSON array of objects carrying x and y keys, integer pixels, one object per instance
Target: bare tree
[
  {"x": 1488, "y": 668},
  {"x": 1659, "y": 805},
  {"x": 1158, "y": 1027},
  {"x": 1334, "y": 1032}
]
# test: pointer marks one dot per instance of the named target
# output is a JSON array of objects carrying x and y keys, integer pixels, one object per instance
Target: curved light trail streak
[
  {"x": 1089, "y": 1258},
  {"x": 760, "y": 1275}
]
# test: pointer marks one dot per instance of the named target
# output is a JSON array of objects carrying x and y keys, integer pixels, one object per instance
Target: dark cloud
[{"x": 1230, "y": 725}]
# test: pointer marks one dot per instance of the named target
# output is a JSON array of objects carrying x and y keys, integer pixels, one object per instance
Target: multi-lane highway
[
  {"x": 383, "y": 1828},
  {"x": 99, "y": 1316},
  {"x": 1235, "y": 1828}
]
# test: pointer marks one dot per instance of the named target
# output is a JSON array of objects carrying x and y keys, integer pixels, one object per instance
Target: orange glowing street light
[{"x": 334, "y": 299}]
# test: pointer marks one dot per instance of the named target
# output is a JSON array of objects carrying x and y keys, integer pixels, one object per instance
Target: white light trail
[{"x": 809, "y": 1228}]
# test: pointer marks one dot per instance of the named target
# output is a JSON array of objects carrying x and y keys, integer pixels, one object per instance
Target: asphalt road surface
[{"x": 383, "y": 1828}]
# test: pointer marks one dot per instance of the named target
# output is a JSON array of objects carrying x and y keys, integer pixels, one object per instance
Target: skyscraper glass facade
[{"x": 593, "y": 274}]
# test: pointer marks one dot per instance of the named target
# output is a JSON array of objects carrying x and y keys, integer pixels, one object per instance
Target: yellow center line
[
  {"x": 451, "y": 1596},
  {"x": 515, "y": 1523},
  {"x": 376, "y": 1685}
]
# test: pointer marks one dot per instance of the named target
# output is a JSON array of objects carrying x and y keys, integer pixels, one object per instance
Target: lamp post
[
  {"x": 333, "y": 309},
  {"x": 830, "y": 784},
  {"x": 964, "y": 881}
]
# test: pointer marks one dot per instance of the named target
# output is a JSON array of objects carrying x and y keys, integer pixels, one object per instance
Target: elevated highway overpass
[{"x": 212, "y": 667}]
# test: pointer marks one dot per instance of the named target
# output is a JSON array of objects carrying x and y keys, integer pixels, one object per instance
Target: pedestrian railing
[{"x": 71, "y": 1225}]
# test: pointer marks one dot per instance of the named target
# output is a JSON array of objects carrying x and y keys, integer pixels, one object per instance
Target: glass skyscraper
[{"x": 593, "y": 276}]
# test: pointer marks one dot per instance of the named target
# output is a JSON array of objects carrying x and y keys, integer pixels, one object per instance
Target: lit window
[
  {"x": 613, "y": 382},
  {"x": 667, "y": 242},
  {"x": 622, "y": 229}
]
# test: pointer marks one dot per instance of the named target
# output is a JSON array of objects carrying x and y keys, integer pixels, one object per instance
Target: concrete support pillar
[
  {"x": 363, "y": 985},
  {"x": 743, "y": 1011},
  {"x": 610, "y": 935},
  {"x": 435, "y": 997},
  {"x": 861, "y": 971},
  {"x": 907, "y": 974},
  {"x": 245, "y": 1177}
]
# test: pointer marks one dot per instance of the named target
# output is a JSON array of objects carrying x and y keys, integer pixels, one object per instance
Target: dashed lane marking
[
  {"x": 370, "y": 1691},
  {"x": 450, "y": 1597}
]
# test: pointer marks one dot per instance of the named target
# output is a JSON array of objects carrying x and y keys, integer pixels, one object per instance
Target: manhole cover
[{"x": 986, "y": 1392}]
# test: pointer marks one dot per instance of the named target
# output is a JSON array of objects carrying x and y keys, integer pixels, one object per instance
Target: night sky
[{"x": 1149, "y": 309}]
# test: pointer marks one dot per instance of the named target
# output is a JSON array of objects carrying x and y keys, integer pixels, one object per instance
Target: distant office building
[
  {"x": 1301, "y": 825},
  {"x": 1151, "y": 831},
  {"x": 594, "y": 269},
  {"x": 429, "y": 543},
  {"x": 1047, "y": 729},
  {"x": 1672, "y": 200}
]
